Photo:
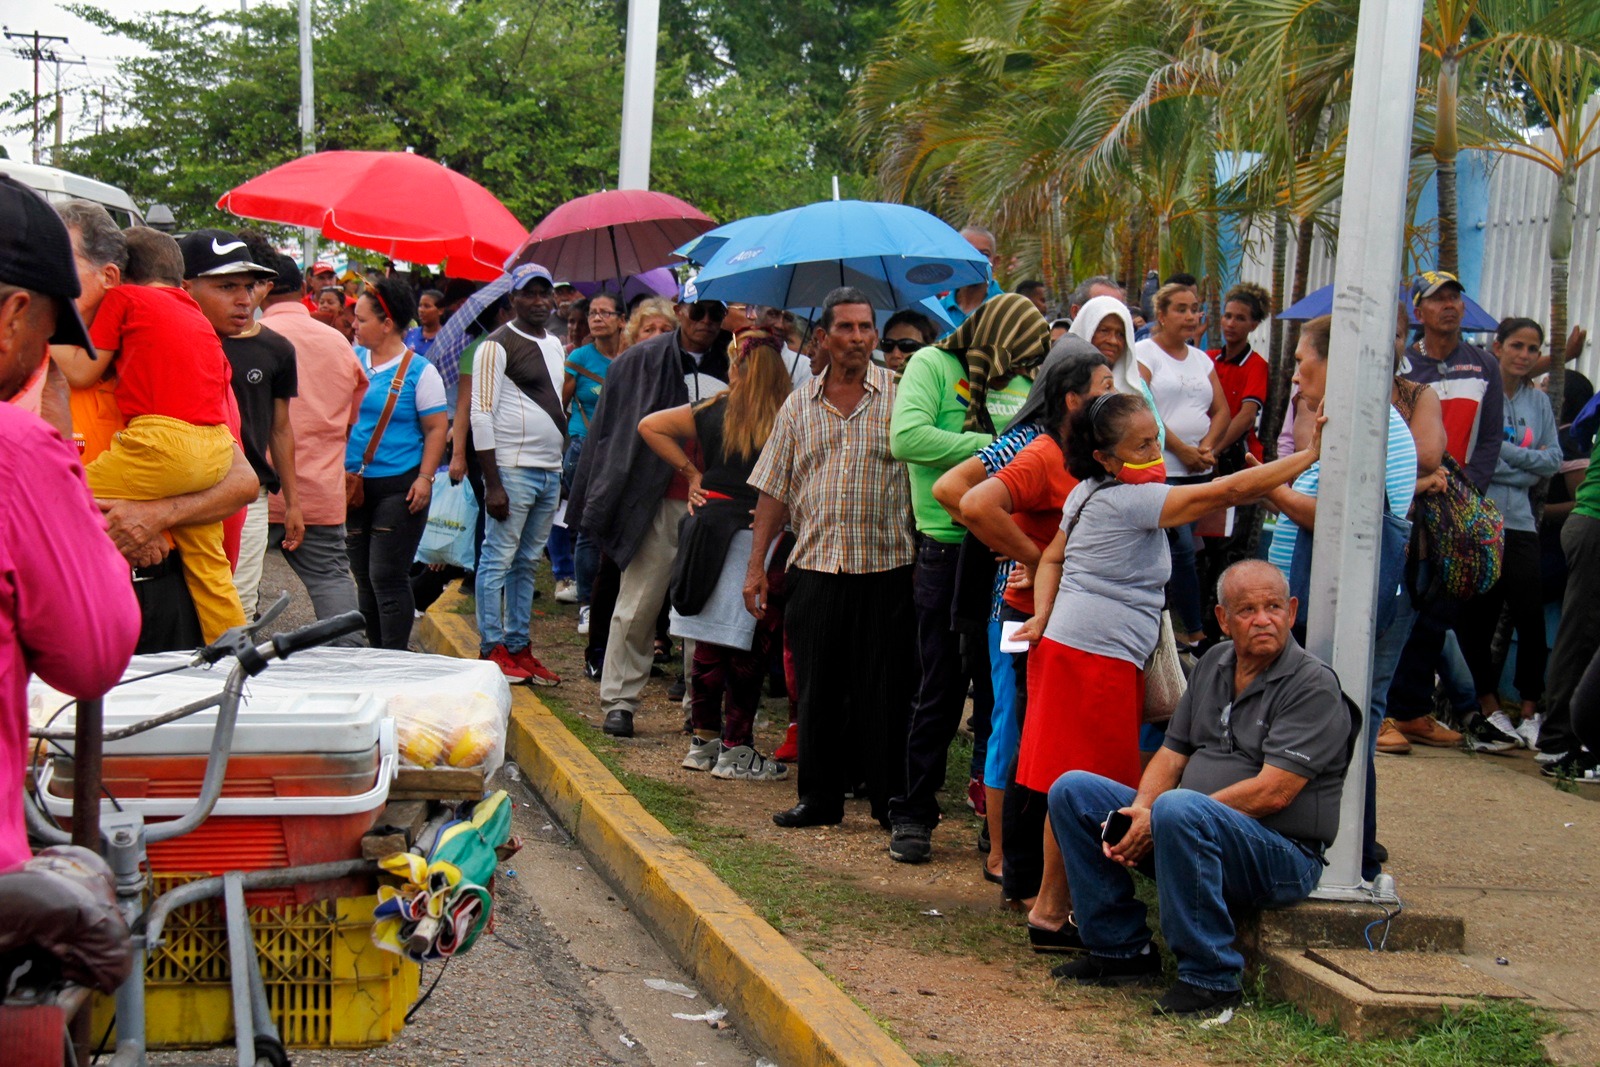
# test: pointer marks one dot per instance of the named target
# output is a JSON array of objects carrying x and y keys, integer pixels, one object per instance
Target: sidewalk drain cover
[{"x": 1427, "y": 974}]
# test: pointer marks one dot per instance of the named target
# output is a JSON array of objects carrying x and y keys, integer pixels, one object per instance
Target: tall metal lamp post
[{"x": 1344, "y": 572}]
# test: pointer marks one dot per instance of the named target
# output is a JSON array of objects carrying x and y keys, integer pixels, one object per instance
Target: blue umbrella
[
  {"x": 699, "y": 250},
  {"x": 895, "y": 254},
  {"x": 1319, "y": 303},
  {"x": 454, "y": 336}
]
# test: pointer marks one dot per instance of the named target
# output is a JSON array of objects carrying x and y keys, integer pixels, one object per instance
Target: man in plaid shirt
[{"x": 826, "y": 470}]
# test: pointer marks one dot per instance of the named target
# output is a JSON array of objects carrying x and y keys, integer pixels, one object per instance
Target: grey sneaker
[
  {"x": 1502, "y": 722},
  {"x": 1528, "y": 730},
  {"x": 1480, "y": 734},
  {"x": 747, "y": 765},
  {"x": 1544, "y": 758},
  {"x": 566, "y": 591},
  {"x": 702, "y": 754}
]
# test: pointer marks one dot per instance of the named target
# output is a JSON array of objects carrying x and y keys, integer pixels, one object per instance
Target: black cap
[
  {"x": 210, "y": 253},
  {"x": 288, "y": 279},
  {"x": 36, "y": 254}
]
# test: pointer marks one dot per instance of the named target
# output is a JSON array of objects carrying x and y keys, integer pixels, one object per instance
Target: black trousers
[
  {"x": 382, "y": 537},
  {"x": 168, "y": 620},
  {"x": 1519, "y": 587},
  {"x": 1578, "y": 636},
  {"x": 941, "y": 688},
  {"x": 852, "y": 636}
]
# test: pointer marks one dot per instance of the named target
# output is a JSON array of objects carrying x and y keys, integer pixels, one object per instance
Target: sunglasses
[
  {"x": 715, "y": 310},
  {"x": 905, "y": 345}
]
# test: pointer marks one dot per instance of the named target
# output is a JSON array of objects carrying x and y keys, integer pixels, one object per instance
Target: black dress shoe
[
  {"x": 804, "y": 814},
  {"x": 618, "y": 723}
]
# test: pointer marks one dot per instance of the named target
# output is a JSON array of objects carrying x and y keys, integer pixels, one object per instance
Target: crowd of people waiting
[{"x": 1047, "y": 521}]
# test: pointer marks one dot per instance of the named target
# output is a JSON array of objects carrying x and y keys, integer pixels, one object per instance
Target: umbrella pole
[{"x": 616, "y": 262}]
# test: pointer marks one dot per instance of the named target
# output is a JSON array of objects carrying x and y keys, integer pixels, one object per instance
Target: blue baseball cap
[
  {"x": 527, "y": 273},
  {"x": 1431, "y": 281}
]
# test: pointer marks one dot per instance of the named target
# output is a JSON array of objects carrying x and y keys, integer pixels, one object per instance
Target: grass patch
[{"x": 1489, "y": 1033}]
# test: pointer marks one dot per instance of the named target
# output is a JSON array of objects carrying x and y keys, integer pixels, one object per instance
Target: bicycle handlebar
[{"x": 286, "y": 645}]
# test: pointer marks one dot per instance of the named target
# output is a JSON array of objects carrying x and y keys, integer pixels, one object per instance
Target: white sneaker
[
  {"x": 702, "y": 754},
  {"x": 583, "y": 620},
  {"x": 746, "y": 764},
  {"x": 1502, "y": 722},
  {"x": 566, "y": 591},
  {"x": 1545, "y": 758},
  {"x": 1528, "y": 730}
]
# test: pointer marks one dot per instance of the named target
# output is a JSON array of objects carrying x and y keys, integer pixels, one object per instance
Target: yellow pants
[{"x": 156, "y": 457}]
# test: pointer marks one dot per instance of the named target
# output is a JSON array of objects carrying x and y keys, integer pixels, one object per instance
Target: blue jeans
[
  {"x": 510, "y": 552},
  {"x": 1005, "y": 733},
  {"x": 1386, "y": 649},
  {"x": 1206, "y": 858},
  {"x": 559, "y": 545}
]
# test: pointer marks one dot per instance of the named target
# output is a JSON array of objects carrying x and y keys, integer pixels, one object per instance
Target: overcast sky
[{"x": 84, "y": 42}]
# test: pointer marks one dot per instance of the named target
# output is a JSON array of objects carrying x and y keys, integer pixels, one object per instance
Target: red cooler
[{"x": 308, "y": 776}]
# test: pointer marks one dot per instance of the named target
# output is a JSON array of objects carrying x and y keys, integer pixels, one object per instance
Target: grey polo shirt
[{"x": 1291, "y": 716}]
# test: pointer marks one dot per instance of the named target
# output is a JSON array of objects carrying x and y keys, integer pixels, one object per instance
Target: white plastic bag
[{"x": 452, "y": 517}]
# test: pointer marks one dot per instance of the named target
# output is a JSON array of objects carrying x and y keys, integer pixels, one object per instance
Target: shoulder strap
[
  {"x": 1072, "y": 524},
  {"x": 395, "y": 388},
  {"x": 583, "y": 372}
]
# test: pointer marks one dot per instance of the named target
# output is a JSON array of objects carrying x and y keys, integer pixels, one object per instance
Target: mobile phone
[{"x": 1117, "y": 825}]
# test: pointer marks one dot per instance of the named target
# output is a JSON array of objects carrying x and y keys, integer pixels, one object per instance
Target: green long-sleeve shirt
[{"x": 930, "y": 406}]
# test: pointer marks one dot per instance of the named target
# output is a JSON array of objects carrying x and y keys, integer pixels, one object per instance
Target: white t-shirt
[
  {"x": 521, "y": 433},
  {"x": 1182, "y": 392}
]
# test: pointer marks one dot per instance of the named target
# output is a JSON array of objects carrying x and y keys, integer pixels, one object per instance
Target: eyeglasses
[
  {"x": 715, "y": 310},
  {"x": 905, "y": 345},
  {"x": 601, "y": 313}
]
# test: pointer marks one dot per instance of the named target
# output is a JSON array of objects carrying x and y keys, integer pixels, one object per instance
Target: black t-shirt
[{"x": 263, "y": 371}]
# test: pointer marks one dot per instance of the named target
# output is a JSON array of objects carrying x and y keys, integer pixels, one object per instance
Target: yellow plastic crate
[{"x": 329, "y": 986}]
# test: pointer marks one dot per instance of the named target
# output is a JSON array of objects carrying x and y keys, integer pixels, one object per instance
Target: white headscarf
[
  {"x": 1088, "y": 321},
  {"x": 1125, "y": 372}
]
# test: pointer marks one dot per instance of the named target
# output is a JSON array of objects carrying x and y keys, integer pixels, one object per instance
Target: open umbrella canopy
[
  {"x": 897, "y": 255},
  {"x": 1320, "y": 302},
  {"x": 611, "y": 235},
  {"x": 396, "y": 203},
  {"x": 658, "y": 282},
  {"x": 699, "y": 250}
]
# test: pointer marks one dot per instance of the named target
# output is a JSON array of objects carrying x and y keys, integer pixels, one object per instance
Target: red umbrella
[
  {"x": 397, "y": 203},
  {"x": 612, "y": 234}
]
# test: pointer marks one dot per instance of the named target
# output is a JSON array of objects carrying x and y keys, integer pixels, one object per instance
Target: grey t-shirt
[
  {"x": 1114, "y": 574},
  {"x": 1290, "y": 716}
]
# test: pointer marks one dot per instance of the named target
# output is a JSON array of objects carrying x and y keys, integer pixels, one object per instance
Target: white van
[{"x": 57, "y": 186}]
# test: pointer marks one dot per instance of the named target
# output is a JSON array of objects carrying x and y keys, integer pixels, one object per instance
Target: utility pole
[
  {"x": 308, "y": 135},
  {"x": 1344, "y": 571},
  {"x": 61, "y": 110},
  {"x": 638, "y": 94},
  {"x": 37, "y": 56}
]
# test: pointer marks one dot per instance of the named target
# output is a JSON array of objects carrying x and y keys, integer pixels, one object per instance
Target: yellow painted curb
[{"x": 783, "y": 1003}]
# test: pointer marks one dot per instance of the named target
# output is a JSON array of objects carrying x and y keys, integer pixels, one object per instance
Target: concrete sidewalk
[
  {"x": 782, "y": 1002},
  {"x": 1483, "y": 837}
]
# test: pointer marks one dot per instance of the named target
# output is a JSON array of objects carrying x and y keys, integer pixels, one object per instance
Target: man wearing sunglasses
[{"x": 629, "y": 501}]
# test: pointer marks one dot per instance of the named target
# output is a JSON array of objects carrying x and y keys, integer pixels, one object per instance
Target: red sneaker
[
  {"x": 977, "y": 798},
  {"x": 538, "y": 673},
  {"x": 789, "y": 751},
  {"x": 507, "y": 664}
]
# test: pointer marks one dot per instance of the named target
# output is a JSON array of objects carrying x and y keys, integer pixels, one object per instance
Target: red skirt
[{"x": 1084, "y": 712}]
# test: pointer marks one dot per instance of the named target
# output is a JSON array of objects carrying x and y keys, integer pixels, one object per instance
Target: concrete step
[
  {"x": 1332, "y": 924},
  {"x": 1376, "y": 994}
]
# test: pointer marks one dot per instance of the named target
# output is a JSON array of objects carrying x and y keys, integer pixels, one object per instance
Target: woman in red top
[{"x": 1017, "y": 514}]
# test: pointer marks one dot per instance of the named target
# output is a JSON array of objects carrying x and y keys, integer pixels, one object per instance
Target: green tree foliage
[{"x": 522, "y": 98}]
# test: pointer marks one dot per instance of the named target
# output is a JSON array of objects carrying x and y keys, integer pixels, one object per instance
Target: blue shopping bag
[{"x": 452, "y": 516}]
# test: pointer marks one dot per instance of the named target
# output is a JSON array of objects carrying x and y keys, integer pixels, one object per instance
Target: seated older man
[{"x": 1235, "y": 810}]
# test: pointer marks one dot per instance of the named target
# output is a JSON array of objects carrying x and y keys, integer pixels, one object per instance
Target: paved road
[{"x": 562, "y": 981}]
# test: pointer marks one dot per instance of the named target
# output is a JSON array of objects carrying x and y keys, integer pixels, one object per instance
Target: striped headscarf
[{"x": 1006, "y": 336}]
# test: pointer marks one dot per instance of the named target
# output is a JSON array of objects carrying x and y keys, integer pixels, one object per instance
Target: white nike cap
[{"x": 208, "y": 253}]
